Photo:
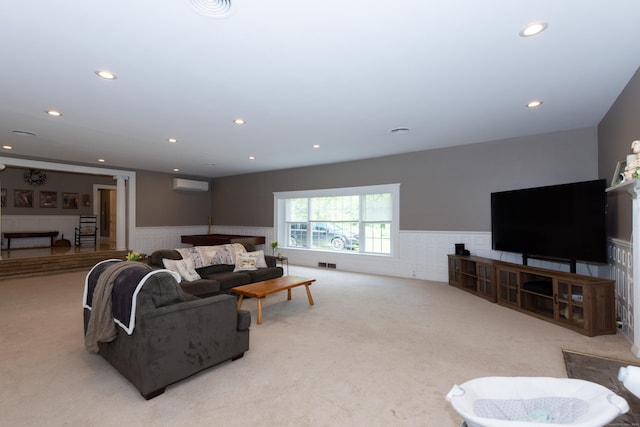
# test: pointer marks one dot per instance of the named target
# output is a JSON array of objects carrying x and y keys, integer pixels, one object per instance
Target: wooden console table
[{"x": 26, "y": 234}]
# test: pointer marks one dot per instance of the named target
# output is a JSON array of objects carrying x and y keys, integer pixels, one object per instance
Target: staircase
[{"x": 55, "y": 263}]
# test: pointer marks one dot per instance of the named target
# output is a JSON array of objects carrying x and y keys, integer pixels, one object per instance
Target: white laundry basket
[{"x": 535, "y": 402}]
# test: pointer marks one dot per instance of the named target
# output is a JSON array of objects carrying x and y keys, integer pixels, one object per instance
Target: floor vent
[
  {"x": 330, "y": 265},
  {"x": 322, "y": 264}
]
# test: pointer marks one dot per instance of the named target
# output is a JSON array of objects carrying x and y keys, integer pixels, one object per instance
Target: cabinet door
[
  {"x": 454, "y": 271},
  {"x": 508, "y": 289},
  {"x": 486, "y": 286},
  {"x": 570, "y": 299}
]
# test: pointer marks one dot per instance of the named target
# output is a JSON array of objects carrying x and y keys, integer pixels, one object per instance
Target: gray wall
[
  {"x": 12, "y": 179},
  {"x": 158, "y": 204},
  {"x": 444, "y": 189},
  {"x": 616, "y": 131}
]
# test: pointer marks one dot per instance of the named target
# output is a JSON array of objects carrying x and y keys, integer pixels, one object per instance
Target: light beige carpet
[{"x": 375, "y": 351}]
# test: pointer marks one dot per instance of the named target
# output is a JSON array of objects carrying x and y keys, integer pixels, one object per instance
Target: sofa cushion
[
  {"x": 202, "y": 288},
  {"x": 215, "y": 268},
  {"x": 162, "y": 290},
  {"x": 265, "y": 274},
  {"x": 184, "y": 267},
  {"x": 229, "y": 279},
  {"x": 247, "y": 243},
  {"x": 245, "y": 262},
  {"x": 260, "y": 260},
  {"x": 155, "y": 259}
]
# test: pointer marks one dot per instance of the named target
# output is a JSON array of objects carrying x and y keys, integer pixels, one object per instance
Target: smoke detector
[{"x": 212, "y": 8}]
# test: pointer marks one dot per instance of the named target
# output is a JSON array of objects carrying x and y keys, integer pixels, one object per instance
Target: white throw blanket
[{"x": 210, "y": 255}]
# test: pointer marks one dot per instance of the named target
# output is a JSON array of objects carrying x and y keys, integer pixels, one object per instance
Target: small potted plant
[
  {"x": 133, "y": 256},
  {"x": 274, "y": 246}
]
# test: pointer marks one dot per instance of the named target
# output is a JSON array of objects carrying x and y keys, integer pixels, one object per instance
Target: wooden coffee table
[{"x": 260, "y": 290}]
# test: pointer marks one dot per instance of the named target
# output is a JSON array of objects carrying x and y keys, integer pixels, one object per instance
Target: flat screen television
[{"x": 564, "y": 222}]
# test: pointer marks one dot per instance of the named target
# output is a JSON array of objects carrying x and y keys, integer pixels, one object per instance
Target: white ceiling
[{"x": 341, "y": 74}]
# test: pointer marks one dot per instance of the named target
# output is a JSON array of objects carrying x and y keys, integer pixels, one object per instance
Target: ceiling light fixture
[
  {"x": 533, "y": 29},
  {"x": 316, "y": 145},
  {"x": 7, "y": 147},
  {"x": 172, "y": 140},
  {"x": 400, "y": 131},
  {"x": 534, "y": 104},
  {"x": 101, "y": 160},
  {"x": 212, "y": 8},
  {"x": 252, "y": 157},
  {"x": 54, "y": 113},
  {"x": 176, "y": 170},
  {"x": 239, "y": 121},
  {"x": 23, "y": 133},
  {"x": 107, "y": 75}
]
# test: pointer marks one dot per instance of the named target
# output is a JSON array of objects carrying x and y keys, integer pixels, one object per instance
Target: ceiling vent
[
  {"x": 190, "y": 185},
  {"x": 211, "y": 8}
]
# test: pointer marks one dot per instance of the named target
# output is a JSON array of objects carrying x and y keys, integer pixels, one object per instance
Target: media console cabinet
[{"x": 581, "y": 303}]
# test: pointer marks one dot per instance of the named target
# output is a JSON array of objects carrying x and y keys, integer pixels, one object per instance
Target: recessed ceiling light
[
  {"x": 176, "y": 170},
  {"x": 172, "y": 140},
  {"x": 533, "y": 29},
  {"x": 252, "y": 157},
  {"x": 400, "y": 131},
  {"x": 54, "y": 113},
  {"x": 107, "y": 75},
  {"x": 23, "y": 133},
  {"x": 534, "y": 104},
  {"x": 101, "y": 160},
  {"x": 239, "y": 121},
  {"x": 212, "y": 8},
  {"x": 7, "y": 147},
  {"x": 316, "y": 145}
]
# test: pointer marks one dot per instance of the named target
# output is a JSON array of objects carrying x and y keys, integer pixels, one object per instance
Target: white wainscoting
[
  {"x": 63, "y": 224},
  {"x": 421, "y": 254},
  {"x": 621, "y": 265}
]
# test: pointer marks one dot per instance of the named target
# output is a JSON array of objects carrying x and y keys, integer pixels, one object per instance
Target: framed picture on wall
[
  {"x": 3, "y": 198},
  {"x": 70, "y": 200},
  {"x": 23, "y": 198},
  {"x": 48, "y": 199}
]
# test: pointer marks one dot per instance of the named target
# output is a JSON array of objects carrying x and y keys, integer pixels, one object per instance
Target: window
[{"x": 355, "y": 220}]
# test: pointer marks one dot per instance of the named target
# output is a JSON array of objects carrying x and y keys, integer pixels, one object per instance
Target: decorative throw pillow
[
  {"x": 184, "y": 267},
  {"x": 260, "y": 262},
  {"x": 188, "y": 271},
  {"x": 245, "y": 262}
]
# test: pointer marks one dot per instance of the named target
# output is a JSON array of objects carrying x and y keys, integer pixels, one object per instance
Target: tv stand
[
  {"x": 571, "y": 262},
  {"x": 581, "y": 303}
]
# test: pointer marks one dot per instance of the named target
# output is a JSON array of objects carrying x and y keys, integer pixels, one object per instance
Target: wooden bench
[{"x": 26, "y": 234}]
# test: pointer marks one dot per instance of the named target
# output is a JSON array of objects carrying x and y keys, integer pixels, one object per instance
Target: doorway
[{"x": 106, "y": 213}]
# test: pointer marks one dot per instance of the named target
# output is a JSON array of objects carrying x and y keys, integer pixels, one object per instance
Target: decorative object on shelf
[
  {"x": 133, "y": 256},
  {"x": 69, "y": 200},
  {"x": 274, "y": 246},
  {"x": 618, "y": 175},
  {"x": 35, "y": 177},
  {"x": 48, "y": 199},
  {"x": 632, "y": 167},
  {"x": 23, "y": 198}
]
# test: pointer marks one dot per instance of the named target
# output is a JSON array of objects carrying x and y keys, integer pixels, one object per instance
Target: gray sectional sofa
[
  {"x": 171, "y": 335},
  {"x": 217, "y": 278}
]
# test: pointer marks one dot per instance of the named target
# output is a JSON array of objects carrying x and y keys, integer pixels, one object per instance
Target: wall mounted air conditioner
[{"x": 190, "y": 185}]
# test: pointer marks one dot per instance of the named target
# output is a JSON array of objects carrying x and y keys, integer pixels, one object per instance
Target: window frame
[{"x": 280, "y": 222}]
